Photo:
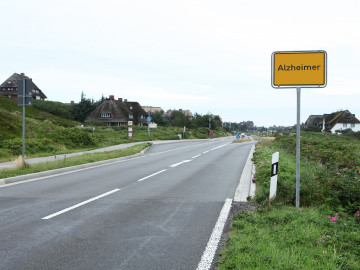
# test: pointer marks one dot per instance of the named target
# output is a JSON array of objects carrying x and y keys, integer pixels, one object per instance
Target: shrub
[
  {"x": 55, "y": 108},
  {"x": 74, "y": 137},
  {"x": 330, "y": 170},
  {"x": 32, "y": 146}
]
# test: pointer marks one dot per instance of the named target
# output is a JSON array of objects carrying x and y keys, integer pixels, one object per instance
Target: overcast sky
[{"x": 201, "y": 55}]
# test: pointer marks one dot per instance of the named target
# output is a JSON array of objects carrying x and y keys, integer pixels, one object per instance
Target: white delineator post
[{"x": 274, "y": 173}]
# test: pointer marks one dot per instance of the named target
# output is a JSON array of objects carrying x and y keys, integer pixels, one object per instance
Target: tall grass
[
  {"x": 325, "y": 232},
  {"x": 287, "y": 238}
]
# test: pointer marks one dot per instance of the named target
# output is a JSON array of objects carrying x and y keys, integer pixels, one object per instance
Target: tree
[
  {"x": 158, "y": 118},
  {"x": 203, "y": 121},
  {"x": 83, "y": 109},
  {"x": 217, "y": 121},
  {"x": 53, "y": 107},
  {"x": 178, "y": 119}
]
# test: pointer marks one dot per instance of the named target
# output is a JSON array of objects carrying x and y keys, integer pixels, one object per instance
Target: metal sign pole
[
  {"x": 298, "y": 90},
  {"x": 23, "y": 130},
  {"x": 149, "y": 123}
]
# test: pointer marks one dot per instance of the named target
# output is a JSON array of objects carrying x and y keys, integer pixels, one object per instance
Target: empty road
[{"x": 156, "y": 211}]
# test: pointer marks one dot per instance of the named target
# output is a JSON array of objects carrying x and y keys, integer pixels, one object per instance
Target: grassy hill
[
  {"x": 11, "y": 120},
  {"x": 47, "y": 134}
]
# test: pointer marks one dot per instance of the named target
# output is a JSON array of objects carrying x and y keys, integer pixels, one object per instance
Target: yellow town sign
[{"x": 299, "y": 69}]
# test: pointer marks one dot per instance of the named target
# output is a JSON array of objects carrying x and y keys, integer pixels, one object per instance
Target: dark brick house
[{"x": 9, "y": 87}]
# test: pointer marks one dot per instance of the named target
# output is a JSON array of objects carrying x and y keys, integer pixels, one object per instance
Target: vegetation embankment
[
  {"x": 49, "y": 134},
  {"x": 241, "y": 140},
  {"x": 325, "y": 232},
  {"x": 72, "y": 161}
]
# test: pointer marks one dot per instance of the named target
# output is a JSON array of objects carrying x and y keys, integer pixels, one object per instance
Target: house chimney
[
  {"x": 111, "y": 97},
  {"x": 22, "y": 74},
  {"x": 125, "y": 100},
  {"x": 120, "y": 99},
  {"x": 72, "y": 103}
]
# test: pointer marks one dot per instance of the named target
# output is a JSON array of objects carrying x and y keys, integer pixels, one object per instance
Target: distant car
[
  {"x": 249, "y": 135},
  {"x": 242, "y": 135}
]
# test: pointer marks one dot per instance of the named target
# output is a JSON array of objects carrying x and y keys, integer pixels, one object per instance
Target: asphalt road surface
[{"x": 156, "y": 211}]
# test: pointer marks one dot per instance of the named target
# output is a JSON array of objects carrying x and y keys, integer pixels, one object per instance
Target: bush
[
  {"x": 32, "y": 146},
  {"x": 74, "y": 137},
  {"x": 330, "y": 170},
  {"x": 55, "y": 108}
]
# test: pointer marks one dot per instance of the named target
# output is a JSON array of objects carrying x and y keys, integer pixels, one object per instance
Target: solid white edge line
[
  {"x": 146, "y": 177},
  {"x": 209, "y": 253},
  {"x": 196, "y": 156},
  {"x": 206, "y": 152},
  {"x": 80, "y": 204},
  {"x": 243, "y": 189}
]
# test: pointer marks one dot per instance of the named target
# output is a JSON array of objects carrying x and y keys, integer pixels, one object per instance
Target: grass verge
[
  {"x": 325, "y": 232},
  {"x": 72, "y": 161},
  {"x": 241, "y": 140},
  {"x": 287, "y": 238}
]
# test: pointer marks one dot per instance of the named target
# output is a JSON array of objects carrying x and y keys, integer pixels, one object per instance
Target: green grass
[
  {"x": 280, "y": 236},
  {"x": 288, "y": 238},
  {"x": 72, "y": 161}
]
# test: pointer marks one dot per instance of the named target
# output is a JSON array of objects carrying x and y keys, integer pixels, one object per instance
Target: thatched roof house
[
  {"x": 118, "y": 113},
  {"x": 340, "y": 120},
  {"x": 9, "y": 87}
]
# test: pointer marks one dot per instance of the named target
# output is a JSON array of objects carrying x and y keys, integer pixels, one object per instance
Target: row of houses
[{"x": 118, "y": 112}]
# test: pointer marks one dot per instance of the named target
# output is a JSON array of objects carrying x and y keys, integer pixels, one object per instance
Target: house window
[
  {"x": 131, "y": 116},
  {"x": 348, "y": 118},
  {"x": 352, "y": 125},
  {"x": 131, "y": 107},
  {"x": 344, "y": 125},
  {"x": 105, "y": 115}
]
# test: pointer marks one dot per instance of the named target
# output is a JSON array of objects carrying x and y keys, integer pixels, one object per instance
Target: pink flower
[
  {"x": 345, "y": 168},
  {"x": 340, "y": 173},
  {"x": 254, "y": 179},
  {"x": 355, "y": 177},
  {"x": 357, "y": 213},
  {"x": 333, "y": 219},
  {"x": 318, "y": 183},
  {"x": 317, "y": 154}
]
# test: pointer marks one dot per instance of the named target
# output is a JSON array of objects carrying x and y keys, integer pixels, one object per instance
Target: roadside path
[{"x": 7, "y": 165}]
